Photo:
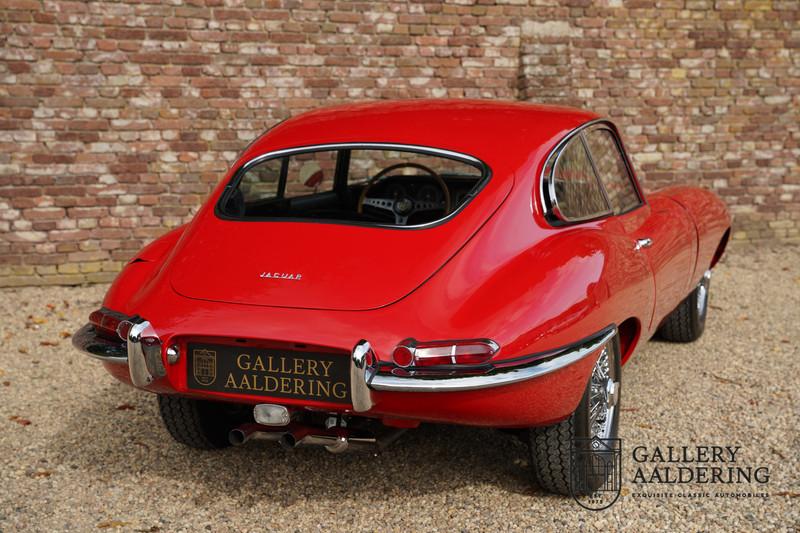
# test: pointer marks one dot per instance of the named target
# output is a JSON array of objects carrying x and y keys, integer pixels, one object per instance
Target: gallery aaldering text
[{"x": 694, "y": 464}]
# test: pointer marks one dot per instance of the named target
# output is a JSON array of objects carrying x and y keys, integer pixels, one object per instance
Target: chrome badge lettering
[{"x": 281, "y": 275}]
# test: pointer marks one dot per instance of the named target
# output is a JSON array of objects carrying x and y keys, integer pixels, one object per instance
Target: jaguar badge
[{"x": 281, "y": 275}]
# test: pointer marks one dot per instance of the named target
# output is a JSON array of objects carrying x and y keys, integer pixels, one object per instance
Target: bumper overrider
[{"x": 141, "y": 351}]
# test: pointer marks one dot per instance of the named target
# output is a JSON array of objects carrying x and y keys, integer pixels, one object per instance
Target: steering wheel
[{"x": 403, "y": 206}]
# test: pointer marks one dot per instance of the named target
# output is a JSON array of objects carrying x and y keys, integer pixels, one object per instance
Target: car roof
[{"x": 484, "y": 129}]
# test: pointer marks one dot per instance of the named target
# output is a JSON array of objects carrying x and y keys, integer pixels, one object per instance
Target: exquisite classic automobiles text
[{"x": 272, "y": 374}]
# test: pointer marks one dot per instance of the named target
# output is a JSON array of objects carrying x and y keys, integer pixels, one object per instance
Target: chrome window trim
[
  {"x": 547, "y": 196},
  {"x": 486, "y": 174},
  {"x": 351, "y": 146}
]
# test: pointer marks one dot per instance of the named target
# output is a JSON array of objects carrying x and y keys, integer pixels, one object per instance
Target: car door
[
  {"x": 659, "y": 230},
  {"x": 671, "y": 252}
]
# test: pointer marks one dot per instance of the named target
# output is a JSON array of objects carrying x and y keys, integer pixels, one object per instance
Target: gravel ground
[{"x": 80, "y": 451}]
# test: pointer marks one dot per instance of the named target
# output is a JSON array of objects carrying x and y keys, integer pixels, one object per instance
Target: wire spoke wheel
[
  {"x": 604, "y": 389},
  {"x": 591, "y": 431}
]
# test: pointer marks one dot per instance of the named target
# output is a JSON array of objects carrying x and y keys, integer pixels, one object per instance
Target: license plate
[{"x": 266, "y": 372}]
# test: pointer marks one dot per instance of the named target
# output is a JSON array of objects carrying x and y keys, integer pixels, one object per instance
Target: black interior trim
[{"x": 281, "y": 179}]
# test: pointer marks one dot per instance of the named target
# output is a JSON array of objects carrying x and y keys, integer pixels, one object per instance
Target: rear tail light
[
  {"x": 403, "y": 356},
  {"x": 444, "y": 353},
  {"x": 110, "y": 324}
]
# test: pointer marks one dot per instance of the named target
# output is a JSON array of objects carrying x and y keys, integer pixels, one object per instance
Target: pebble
[{"x": 95, "y": 456}]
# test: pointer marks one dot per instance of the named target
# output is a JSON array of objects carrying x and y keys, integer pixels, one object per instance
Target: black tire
[
  {"x": 687, "y": 322},
  {"x": 551, "y": 446},
  {"x": 199, "y": 424}
]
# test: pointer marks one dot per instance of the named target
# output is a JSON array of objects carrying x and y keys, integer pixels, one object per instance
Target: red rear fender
[
  {"x": 140, "y": 270},
  {"x": 711, "y": 218},
  {"x": 536, "y": 289}
]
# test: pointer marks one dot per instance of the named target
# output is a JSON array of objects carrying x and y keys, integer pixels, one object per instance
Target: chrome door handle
[{"x": 647, "y": 242}]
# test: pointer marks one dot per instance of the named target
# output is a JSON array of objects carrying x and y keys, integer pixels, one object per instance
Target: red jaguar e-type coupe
[{"x": 365, "y": 268}]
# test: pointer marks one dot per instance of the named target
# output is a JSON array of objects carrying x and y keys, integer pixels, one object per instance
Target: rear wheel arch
[
  {"x": 723, "y": 244},
  {"x": 686, "y": 322},
  {"x": 628, "y": 332}
]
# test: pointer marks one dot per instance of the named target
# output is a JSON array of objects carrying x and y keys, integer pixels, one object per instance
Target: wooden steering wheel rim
[{"x": 374, "y": 180}]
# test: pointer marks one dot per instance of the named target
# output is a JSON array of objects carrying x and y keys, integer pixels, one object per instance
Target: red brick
[{"x": 130, "y": 127}]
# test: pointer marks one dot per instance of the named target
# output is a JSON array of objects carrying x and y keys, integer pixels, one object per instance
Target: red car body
[{"x": 498, "y": 269}]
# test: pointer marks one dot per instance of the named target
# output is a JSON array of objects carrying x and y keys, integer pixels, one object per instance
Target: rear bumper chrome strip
[
  {"x": 141, "y": 351},
  {"x": 365, "y": 377},
  {"x": 145, "y": 364},
  {"x": 88, "y": 341}
]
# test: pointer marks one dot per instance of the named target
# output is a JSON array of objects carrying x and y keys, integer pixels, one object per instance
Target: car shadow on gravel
[{"x": 115, "y": 435}]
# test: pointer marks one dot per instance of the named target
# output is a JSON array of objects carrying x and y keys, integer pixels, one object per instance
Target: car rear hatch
[{"x": 320, "y": 265}]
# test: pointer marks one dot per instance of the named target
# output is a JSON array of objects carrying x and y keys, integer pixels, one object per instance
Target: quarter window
[
  {"x": 577, "y": 192},
  {"x": 612, "y": 170}
]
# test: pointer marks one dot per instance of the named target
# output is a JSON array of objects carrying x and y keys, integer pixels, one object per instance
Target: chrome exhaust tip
[
  {"x": 287, "y": 441},
  {"x": 291, "y": 436},
  {"x": 294, "y": 437},
  {"x": 340, "y": 445},
  {"x": 245, "y": 432},
  {"x": 238, "y": 436}
]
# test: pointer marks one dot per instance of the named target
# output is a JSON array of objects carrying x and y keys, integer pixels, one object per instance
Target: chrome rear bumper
[
  {"x": 364, "y": 375},
  {"x": 142, "y": 352}
]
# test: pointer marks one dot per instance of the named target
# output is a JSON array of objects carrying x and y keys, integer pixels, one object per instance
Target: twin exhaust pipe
[
  {"x": 334, "y": 440},
  {"x": 275, "y": 422}
]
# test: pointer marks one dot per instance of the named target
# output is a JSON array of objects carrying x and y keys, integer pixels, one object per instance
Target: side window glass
[
  {"x": 577, "y": 192},
  {"x": 310, "y": 173},
  {"x": 612, "y": 169}
]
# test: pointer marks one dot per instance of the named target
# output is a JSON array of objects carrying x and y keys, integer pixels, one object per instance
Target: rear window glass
[{"x": 367, "y": 185}]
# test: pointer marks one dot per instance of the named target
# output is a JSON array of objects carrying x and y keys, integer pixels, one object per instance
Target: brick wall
[{"x": 116, "y": 118}]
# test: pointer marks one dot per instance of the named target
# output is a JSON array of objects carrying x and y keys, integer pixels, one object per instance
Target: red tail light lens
[
  {"x": 444, "y": 353},
  {"x": 403, "y": 356},
  {"x": 474, "y": 354},
  {"x": 107, "y": 323}
]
